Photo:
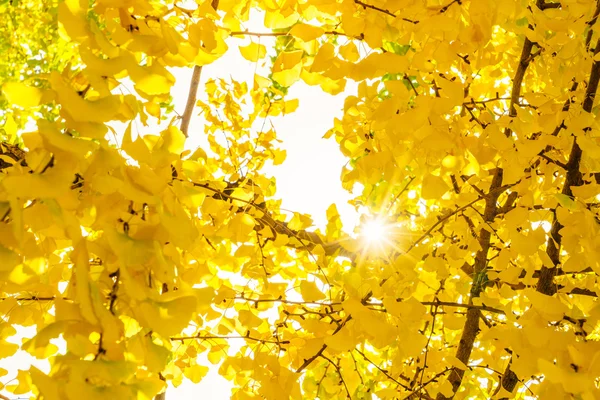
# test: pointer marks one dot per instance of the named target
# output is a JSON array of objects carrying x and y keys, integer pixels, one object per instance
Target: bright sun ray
[
  {"x": 375, "y": 231},
  {"x": 376, "y": 235},
  {"x": 382, "y": 238}
]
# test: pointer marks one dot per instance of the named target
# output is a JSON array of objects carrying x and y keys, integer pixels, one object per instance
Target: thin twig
[
  {"x": 383, "y": 371},
  {"x": 339, "y": 371},
  {"x": 383, "y": 10}
]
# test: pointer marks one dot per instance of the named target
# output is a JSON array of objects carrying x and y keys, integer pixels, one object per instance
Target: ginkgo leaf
[
  {"x": 350, "y": 52},
  {"x": 82, "y": 110},
  {"x": 23, "y": 383},
  {"x": 153, "y": 84},
  {"x": 167, "y": 317},
  {"x": 310, "y": 291},
  {"x": 434, "y": 187},
  {"x": 550, "y": 307},
  {"x": 8, "y": 259},
  {"x": 47, "y": 386},
  {"x": 22, "y": 95},
  {"x": 172, "y": 38},
  {"x": 342, "y": 341},
  {"x": 306, "y": 32},
  {"x": 253, "y": 51},
  {"x": 71, "y": 15},
  {"x": 287, "y": 67},
  {"x": 195, "y": 373},
  {"x": 82, "y": 273},
  {"x": 249, "y": 319},
  {"x": 150, "y": 258},
  {"x": 8, "y": 349},
  {"x": 30, "y": 186},
  {"x": 156, "y": 356},
  {"x": 241, "y": 226}
]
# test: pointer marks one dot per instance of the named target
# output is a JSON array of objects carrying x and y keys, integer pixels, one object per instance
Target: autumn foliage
[{"x": 472, "y": 138}]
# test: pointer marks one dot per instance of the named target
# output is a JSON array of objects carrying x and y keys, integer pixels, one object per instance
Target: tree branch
[
  {"x": 277, "y": 34},
  {"x": 383, "y": 371},
  {"x": 440, "y": 221},
  {"x": 216, "y": 337},
  {"x": 339, "y": 371},
  {"x": 382, "y": 10},
  {"x": 471, "y": 327},
  {"x": 573, "y": 178},
  {"x": 191, "y": 100},
  {"x": 308, "y": 361}
]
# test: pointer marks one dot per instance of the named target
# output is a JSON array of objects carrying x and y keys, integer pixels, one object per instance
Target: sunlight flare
[{"x": 375, "y": 231}]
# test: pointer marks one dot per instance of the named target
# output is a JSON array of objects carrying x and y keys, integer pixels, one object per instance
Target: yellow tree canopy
[{"x": 472, "y": 138}]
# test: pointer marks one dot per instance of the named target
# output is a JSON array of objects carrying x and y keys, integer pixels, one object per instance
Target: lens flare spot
[{"x": 375, "y": 231}]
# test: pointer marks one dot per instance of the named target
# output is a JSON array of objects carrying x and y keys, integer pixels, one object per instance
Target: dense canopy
[{"x": 472, "y": 140}]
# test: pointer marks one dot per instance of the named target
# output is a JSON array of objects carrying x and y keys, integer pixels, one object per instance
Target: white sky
[{"x": 307, "y": 182}]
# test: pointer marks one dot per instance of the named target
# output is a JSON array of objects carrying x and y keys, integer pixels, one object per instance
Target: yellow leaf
[
  {"x": 323, "y": 59},
  {"x": 24, "y": 385},
  {"x": 454, "y": 322},
  {"x": 173, "y": 140},
  {"x": 279, "y": 18},
  {"x": 81, "y": 263},
  {"x": 105, "y": 45},
  {"x": 195, "y": 373},
  {"x": 380, "y": 332},
  {"x": 249, "y": 319},
  {"x": 253, "y": 52},
  {"x": 153, "y": 84},
  {"x": 310, "y": 291},
  {"x": 409, "y": 310},
  {"x": 8, "y": 349},
  {"x": 82, "y": 110},
  {"x": 10, "y": 127},
  {"x": 135, "y": 148},
  {"x": 377, "y": 64},
  {"x": 455, "y": 362},
  {"x": 172, "y": 38},
  {"x": 306, "y": 32},
  {"x": 446, "y": 389},
  {"x": 287, "y": 67},
  {"x": 71, "y": 16},
  {"x": 22, "y": 95},
  {"x": 166, "y": 317},
  {"x": 549, "y": 307},
  {"x": 47, "y": 386},
  {"x": 350, "y": 52},
  {"x": 433, "y": 187},
  {"x": 8, "y": 259},
  {"x": 53, "y": 139},
  {"x": 107, "y": 67},
  {"x": 240, "y": 227},
  {"x": 156, "y": 356},
  {"x": 50, "y": 185},
  {"x": 309, "y": 348},
  {"x": 342, "y": 341}
]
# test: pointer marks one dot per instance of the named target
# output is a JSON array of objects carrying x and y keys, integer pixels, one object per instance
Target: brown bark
[
  {"x": 471, "y": 328},
  {"x": 545, "y": 283},
  {"x": 573, "y": 178},
  {"x": 191, "y": 100}
]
